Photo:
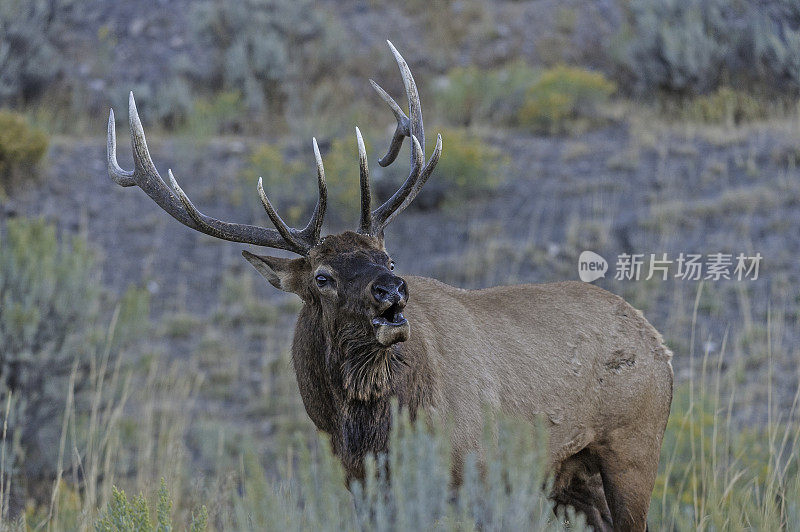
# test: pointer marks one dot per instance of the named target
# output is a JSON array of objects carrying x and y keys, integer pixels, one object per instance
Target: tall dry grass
[{"x": 715, "y": 474}]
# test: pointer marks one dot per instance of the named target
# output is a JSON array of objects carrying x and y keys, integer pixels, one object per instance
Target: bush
[
  {"x": 713, "y": 474},
  {"x": 222, "y": 113},
  {"x": 46, "y": 318},
  {"x": 417, "y": 495},
  {"x": 29, "y": 54},
  {"x": 725, "y": 106},
  {"x": 468, "y": 167},
  {"x": 173, "y": 106},
  {"x": 33, "y": 35},
  {"x": 776, "y": 36},
  {"x": 21, "y": 146},
  {"x": 563, "y": 95},
  {"x": 49, "y": 335},
  {"x": 694, "y": 46},
  {"x": 285, "y": 183},
  {"x": 469, "y": 95},
  {"x": 547, "y": 101},
  {"x": 249, "y": 46},
  {"x": 292, "y": 185},
  {"x": 123, "y": 515}
]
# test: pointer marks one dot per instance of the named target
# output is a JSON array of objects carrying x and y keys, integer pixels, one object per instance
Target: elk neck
[
  {"x": 347, "y": 382},
  {"x": 359, "y": 369}
]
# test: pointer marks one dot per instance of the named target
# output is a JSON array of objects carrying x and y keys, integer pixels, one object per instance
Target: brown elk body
[{"x": 576, "y": 354}]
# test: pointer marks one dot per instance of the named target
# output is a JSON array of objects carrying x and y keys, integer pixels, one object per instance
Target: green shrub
[
  {"x": 29, "y": 53},
  {"x": 468, "y": 168},
  {"x": 725, "y": 106},
  {"x": 222, "y": 113},
  {"x": 123, "y": 515},
  {"x": 776, "y": 35},
  {"x": 341, "y": 171},
  {"x": 416, "y": 495},
  {"x": 292, "y": 185},
  {"x": 49, "y": 304},
  {"x": 173, "y": 107},
  {"x": 549, "y": 101},
  {"x": 21, "y": 146},
  {"x": 714, "y": 473},
  {"x": 674, "y": 45},
  {"x": 250, "y": 46},
  {"x": 50, "y": 334},
  {"x": 470, "y": 95},
  {"x": 563, "y": 95},
  {"x": 288, "y": 188},
  {"x": 694, "y": 46},
  {"x": 36, "y": 66}
]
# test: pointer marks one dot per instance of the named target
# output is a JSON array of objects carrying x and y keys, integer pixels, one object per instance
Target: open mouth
[{"x": 392, "y": 316}]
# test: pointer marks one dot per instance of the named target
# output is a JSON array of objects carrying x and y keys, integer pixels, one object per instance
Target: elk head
[{"x": 347, "y": 278}]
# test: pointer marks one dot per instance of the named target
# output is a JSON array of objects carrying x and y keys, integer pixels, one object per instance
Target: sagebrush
[{"x": 22, "y": 148}]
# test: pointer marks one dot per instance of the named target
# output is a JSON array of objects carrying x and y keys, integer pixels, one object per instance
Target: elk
[{"x": 579, "y": 356}]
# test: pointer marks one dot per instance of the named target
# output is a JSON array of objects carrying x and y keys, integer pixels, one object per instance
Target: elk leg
[
  {"x": 578, "y": 484},
  {"x": 628, "y": 482},
  {"x": 583, "y": 500}
]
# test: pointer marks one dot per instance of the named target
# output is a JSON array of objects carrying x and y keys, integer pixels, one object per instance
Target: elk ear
[{"x": 283, "y": 274}]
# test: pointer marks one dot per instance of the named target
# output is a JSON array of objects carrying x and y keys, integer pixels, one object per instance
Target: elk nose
[{"x": 389, "y": 290}]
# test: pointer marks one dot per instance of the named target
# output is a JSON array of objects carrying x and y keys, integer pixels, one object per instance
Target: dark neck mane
[
  {"x": 347, "y": 381},
  {"x": 368, "y": 370}
]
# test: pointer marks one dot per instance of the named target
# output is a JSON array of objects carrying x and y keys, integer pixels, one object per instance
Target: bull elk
[{"x": 576, "y": 354}]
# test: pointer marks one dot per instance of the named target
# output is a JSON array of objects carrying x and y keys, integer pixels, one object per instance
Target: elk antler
[
  {"x": 374, "y": 222},
  {"x": 180, "y": 207}
]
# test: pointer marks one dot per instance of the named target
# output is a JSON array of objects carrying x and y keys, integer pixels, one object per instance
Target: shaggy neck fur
[
  {"x": 347, "y": 381},
  {"x": 367, "y": 368}
]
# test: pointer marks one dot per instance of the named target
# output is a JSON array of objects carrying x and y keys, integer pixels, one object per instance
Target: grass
[{"x": 714, "y": 473}]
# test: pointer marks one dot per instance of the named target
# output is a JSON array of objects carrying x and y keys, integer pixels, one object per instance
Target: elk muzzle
[{"x": 389, "y": 295}]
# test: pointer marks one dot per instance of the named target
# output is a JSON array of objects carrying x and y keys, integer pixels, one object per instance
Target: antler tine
[
  {"x": 406, "y": 127},
  {"x": 384, "y": 212},
  {"x": 277, "y": 221},
  {"x": 423, "y": 177},
  {"x": 177, "y": 204},
  {"x": 400, "y": 133},
  {"x": 414, "y": 107},
  {"x": 365, "y": 223},
  {"x": 312, "y": 231},
  {"x": 309, "y": 236},
  {"x": 121, "y": 177}
]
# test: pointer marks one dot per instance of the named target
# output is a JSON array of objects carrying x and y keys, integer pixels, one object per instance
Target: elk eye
[
  {"x": 322, "y": 280},
  {"x": 391, "y": 266}
]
